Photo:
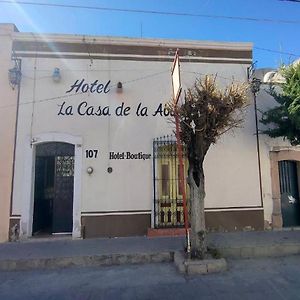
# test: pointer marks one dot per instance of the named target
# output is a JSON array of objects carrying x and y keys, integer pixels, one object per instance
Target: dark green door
[
  {"x": 54, "y": 188},
  {"x": 290, "y": 207},
  {"x": 63, "y": 200},
  {"x": 43, "y": 195}
]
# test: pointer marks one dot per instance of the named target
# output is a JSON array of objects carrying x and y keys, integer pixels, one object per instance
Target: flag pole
[{"x": 176, "y": 95}]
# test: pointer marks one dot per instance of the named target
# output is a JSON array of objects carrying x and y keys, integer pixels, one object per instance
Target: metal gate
[
  {"x": 168, "y": 201},
  {"x": 290, "y": 207},
  {"x": 54, "y": 186}
]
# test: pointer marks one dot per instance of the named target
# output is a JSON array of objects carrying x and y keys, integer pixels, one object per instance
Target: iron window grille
[{"x": 168, "y": 203}]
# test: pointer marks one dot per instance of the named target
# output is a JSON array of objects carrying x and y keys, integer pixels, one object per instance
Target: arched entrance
[
  {"x": 53, "y": 188},
  {"x": 285, "y": 175}
]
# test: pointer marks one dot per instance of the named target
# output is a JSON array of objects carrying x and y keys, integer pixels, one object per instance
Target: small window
[
  {"x": 165, "y": 178},
  {"x": 179, "y": 185},
  {"x": 65, "y": 166}
]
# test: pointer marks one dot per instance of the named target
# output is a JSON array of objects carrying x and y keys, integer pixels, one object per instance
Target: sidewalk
[{"x": 34, "y": 253}]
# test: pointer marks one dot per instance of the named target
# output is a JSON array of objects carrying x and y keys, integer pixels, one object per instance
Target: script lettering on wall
[
  {"x": 84, "y": 109},
  {"x": 84, "y": 87}
]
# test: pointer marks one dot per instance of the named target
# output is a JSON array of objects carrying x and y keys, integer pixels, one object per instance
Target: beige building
[
  {"x": 95, "y": 154},
  {"x": 280, "y": 163},
  {"x": 8, "y": 117}
]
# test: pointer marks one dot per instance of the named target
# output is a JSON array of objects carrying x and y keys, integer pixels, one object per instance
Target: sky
[{"x": 275, "y": 36}]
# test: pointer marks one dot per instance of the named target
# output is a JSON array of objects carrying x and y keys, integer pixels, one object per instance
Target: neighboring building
[
  {"x": 94, "y": 149},
  {"x": 280, "y": 162},
  {"x": 8, "y": 117}
]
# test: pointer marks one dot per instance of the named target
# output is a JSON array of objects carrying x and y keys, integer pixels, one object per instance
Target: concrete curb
[
  {"x": 85, "y": 261},
  {"x": 259, "y": 251},
  {"x": 255, "y": 251},
  {"x": 205, "y": 266}
]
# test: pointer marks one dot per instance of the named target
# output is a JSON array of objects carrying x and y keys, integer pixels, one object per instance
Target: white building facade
[{"x": 91, "y": 127}]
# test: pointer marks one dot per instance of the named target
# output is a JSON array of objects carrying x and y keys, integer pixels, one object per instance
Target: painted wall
[
  {"x": 47, "y": 111},
  {"x": 231, "y": 165},
  {"x": 267, "y": 144},
  {"x": 8, "y": 108}
]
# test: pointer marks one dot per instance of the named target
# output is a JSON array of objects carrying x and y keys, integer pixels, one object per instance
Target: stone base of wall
[
  {"x": 234, "y": 220},
  {"x": 276, "y": 221},
  {"x": 115, "y": 225},
  {"x": 138, "y": 224},
  {"x": 14, "y": 230}
]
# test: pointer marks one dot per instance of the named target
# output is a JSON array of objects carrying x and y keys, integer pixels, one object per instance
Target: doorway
[
  {"x": 53, "y": 189},
  {"x": 289, "y": 193}
]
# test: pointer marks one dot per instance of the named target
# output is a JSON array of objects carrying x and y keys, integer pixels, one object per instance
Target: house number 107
[{"x": 91, "y": 153}]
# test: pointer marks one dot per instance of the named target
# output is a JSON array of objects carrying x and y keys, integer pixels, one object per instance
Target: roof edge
[{"x": 126, "y": 41}]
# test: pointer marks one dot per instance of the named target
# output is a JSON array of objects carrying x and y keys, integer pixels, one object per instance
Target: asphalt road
[{"x": 268, "y": 278}]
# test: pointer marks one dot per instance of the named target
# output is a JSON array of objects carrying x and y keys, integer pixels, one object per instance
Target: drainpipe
[
  {"x": 255, "y": 87},
  {"x": 17, "y": 228}
]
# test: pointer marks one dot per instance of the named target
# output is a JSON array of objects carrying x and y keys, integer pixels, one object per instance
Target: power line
[
  {"x": 81, "y": 93},
  {"x": 156, "y": 12},
  {"x": 217, "y": 76},
  {"x": 297, "y": 1},
  {"x": 276, "y": 51},
  {"x": 126, "y": 82}
]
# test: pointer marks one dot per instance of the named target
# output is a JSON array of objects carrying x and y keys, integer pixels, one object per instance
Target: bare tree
[{"x": 205, "y": 114}]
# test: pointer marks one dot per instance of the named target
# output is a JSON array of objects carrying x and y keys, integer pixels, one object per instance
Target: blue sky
[{"x": 275, "y": 36}]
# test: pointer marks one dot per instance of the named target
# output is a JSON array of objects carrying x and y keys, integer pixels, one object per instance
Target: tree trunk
[{"x": 197, "y": 191}]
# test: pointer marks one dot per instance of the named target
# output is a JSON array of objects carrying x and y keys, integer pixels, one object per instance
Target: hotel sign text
[{"x": 87, "y": 110}]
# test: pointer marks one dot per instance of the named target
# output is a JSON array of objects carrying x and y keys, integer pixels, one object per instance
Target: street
[{"x": 268, "y": 278}]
